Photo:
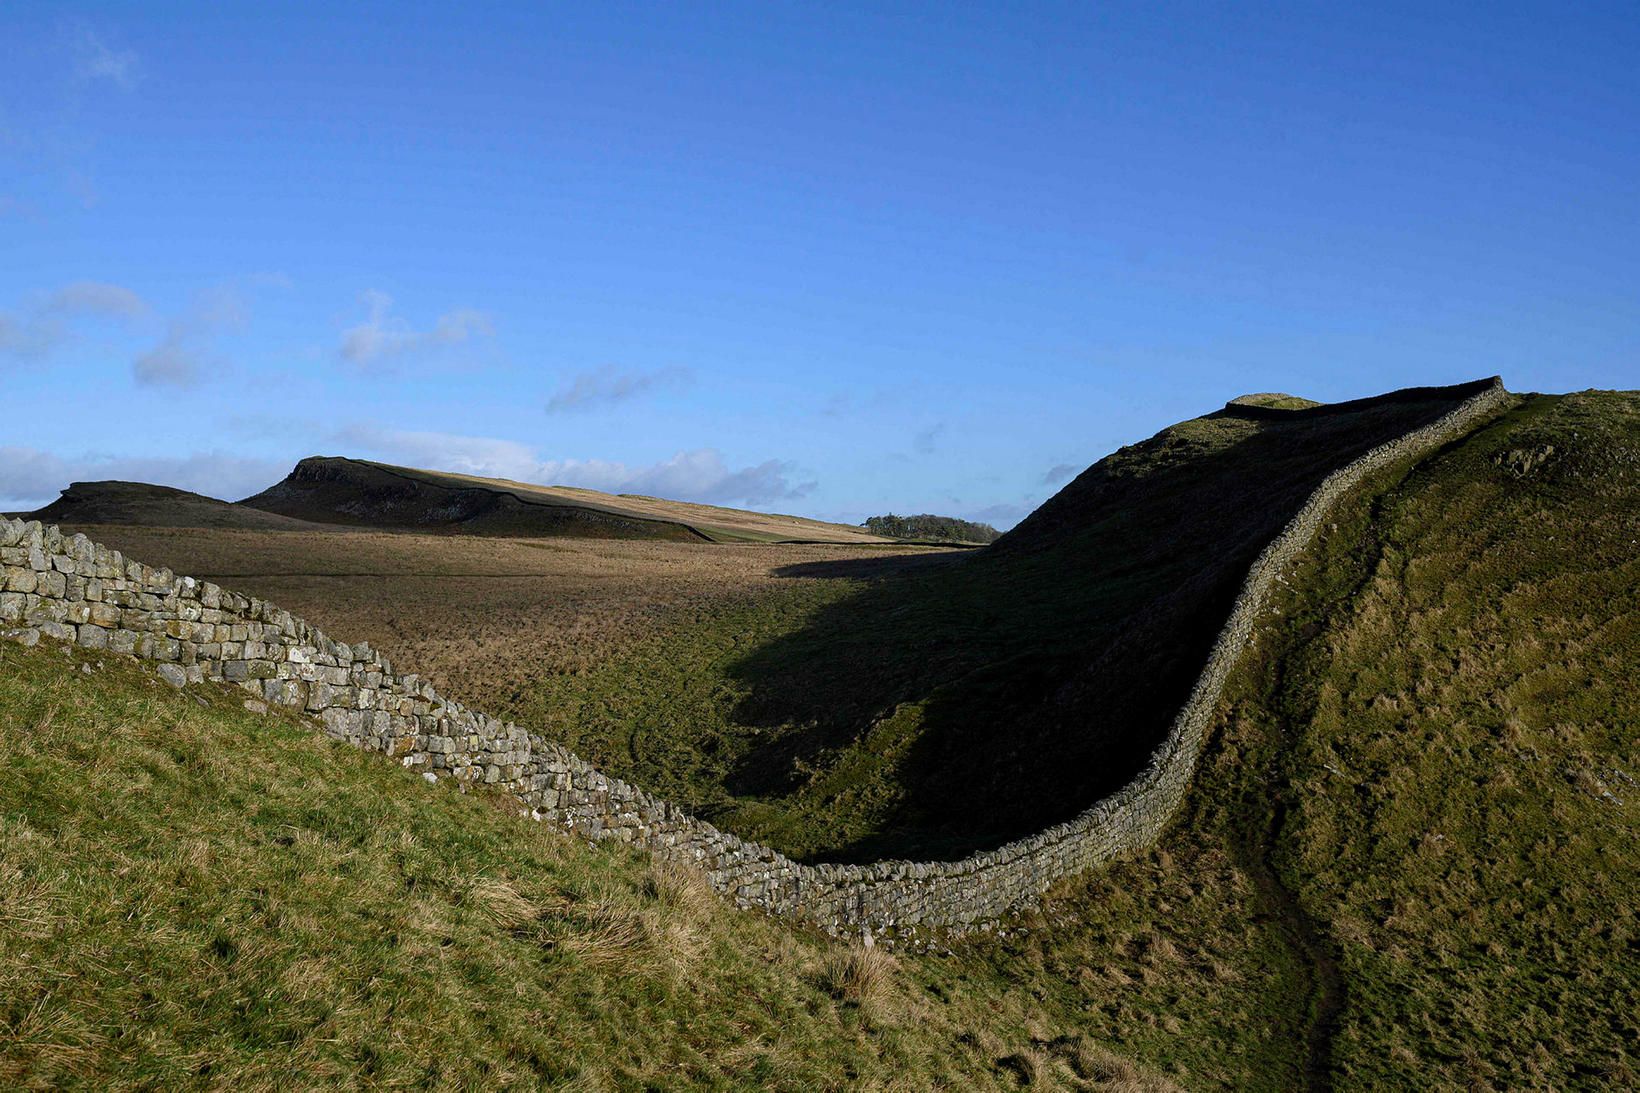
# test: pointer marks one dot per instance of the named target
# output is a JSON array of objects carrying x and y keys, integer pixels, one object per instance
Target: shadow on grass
[{"x": 954, "y": 702}]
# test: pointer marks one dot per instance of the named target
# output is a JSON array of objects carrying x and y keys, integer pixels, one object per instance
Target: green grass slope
[
  {"x": 933, "y": 706},
  {"x": 1452, "y": 719},
  {"x": 1408, "y": 860},
  {"x": 195, "y": 896}
]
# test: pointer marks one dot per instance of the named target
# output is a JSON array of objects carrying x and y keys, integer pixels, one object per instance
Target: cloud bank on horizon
[{"x": 30, "y": 478}]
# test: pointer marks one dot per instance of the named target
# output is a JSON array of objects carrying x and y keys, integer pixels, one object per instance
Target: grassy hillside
[
  {"x": 1451, "y": 715},
  {"x": 852, "y": 705},
  {"x": 1407, "y": 862},
  {"x": 916, "y": 707},
  {"x": 1417, "y": 813},
  {"x": 1409, "y": 854},
  {"x": 193, "y": 896}
]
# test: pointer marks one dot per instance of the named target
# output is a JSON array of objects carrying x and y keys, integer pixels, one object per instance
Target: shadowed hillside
[
  {"x": 949, "y": 703},
  {"x": 141, "y": 504},
  {"x": 359, "y": 493}
]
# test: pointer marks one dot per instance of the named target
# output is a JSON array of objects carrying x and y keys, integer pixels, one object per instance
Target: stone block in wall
[
  {"x": 286, "y": 692},
  {"x": 57, "y": 631},
  {"x": 18, "y": 579},
  {"x": 37, "y": 610}
]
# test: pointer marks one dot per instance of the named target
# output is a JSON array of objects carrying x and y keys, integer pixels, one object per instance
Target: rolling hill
[
  {"x": 934, "y": 706},
  {"x": 1406, "y": 860},
  {"x": 140, "y": 504},
  {"x": 359, "y": 493}
]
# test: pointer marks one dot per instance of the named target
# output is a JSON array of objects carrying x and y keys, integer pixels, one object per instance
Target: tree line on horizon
[{"x": 928, "y": 526}]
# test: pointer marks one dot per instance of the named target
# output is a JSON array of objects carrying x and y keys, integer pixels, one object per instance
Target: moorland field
[
  {"x": 840, "y": 703},
  {"x": 1406, "y": 862}
]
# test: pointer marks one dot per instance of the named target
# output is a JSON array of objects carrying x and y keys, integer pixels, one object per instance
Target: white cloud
[
  {"x": 97, "y": 298},
  {"x": 40, "y": 328},
  {"x": 187, "y": 354},
  {"x": 28, "y": 339},
  {"x": 1001, "y": 517},
  {"x": 926, "y": 441},
  {"x": 174, "y": 362},
  {"x": 383, "y": 335},
  {"x": 95, "y": 60},
  {"x": 700, "y": 475},
  {"x": 607, "y": 386},
  {"x": 1059, "y": 473},
  {"x": 30, "y": 478}
]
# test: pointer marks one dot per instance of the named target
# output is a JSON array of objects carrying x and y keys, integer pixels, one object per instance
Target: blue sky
[{"x": 827, "y": 259}]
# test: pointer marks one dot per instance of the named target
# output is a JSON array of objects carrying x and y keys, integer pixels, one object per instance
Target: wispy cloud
[
  {"x": 928, "y": 440},
  {"x": 699, "y": 475},
  {"x": 30, "y": 477},
  {"x": 187, "y": 355},
  {"x": 43, "y": 326},
  {"x": 1001, "y": 517},
  {"x": 609, "y": 385},
  {"x": 383, "y": 335},
  {"x": 97, "y": 298},
  {"x": 177, "y": 361},
  {"x": 95, "y": 60},
  {"x": 1058, "y": 473}
]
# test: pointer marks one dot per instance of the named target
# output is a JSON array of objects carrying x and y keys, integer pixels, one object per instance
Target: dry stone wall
[{"x": 70, "y": 589}]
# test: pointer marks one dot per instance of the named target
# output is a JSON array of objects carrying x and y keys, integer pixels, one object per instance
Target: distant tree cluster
[{"x": 944, "y": 528}]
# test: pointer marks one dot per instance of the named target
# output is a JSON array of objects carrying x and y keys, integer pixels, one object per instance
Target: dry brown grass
[
  {"x": 484, "y": 619},
  {"x": 857, "y": 974}
]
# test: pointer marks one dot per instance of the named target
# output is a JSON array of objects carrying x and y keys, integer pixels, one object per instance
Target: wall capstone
[{"x": 70, "y": 589}]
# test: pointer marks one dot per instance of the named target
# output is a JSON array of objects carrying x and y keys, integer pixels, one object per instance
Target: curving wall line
[{"x": 69, "y": 589}]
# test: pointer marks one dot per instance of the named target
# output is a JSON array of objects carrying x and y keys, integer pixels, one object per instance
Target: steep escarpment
[{"x": 335, "y": 490}]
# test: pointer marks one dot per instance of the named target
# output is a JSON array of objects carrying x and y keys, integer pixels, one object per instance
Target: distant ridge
[
  {"x": 361, "y": 493},
  {"x": 143, "y": 504}
]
